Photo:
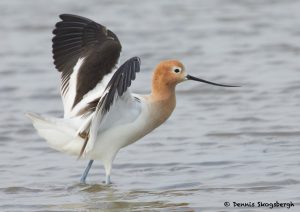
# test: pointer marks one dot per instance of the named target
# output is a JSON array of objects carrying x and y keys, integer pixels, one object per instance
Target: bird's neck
[
  {"x": 163, "y": 101},
  {"x": 162, "y": 90}
]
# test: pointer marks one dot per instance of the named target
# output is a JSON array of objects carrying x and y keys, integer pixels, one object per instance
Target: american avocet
[{"x": 101, "y": 115}]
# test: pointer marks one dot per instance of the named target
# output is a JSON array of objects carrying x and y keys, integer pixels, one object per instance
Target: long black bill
[{"x": 189, "y": 77}]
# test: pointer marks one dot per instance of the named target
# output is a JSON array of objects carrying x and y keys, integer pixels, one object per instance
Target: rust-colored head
[{"x": 168, "y": 74}]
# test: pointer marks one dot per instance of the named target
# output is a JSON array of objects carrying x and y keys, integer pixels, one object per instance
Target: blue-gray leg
[
  {"x": 86, "y": 171},
  {"x": 107, "y": 167}
]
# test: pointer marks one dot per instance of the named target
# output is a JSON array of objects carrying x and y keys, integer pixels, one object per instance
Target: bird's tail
[{"x": 59, "y": 134}]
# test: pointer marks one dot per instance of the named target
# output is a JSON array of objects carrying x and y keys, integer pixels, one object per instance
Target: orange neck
[
  {"x": 163, "y": 101},
  {"x": 162, "y": 90}
]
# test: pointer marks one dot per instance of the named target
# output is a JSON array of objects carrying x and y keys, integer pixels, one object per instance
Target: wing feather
[
  {"x": 114, "y": 95},
  {"x": 76, "y": 38}
]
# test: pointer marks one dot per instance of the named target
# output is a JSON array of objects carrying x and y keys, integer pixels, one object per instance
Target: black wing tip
[
  {"x": 65, "y": 27},
  {"x": 68, "y": 16},
  {"x": 65, "y": 15},
  {"x": 71, "y": 35},
  {"x": 138, "y": 59}
]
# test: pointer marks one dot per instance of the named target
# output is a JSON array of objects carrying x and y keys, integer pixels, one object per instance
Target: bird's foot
[
  {"x": 107, "y": 180},
  {"x": 82, "y": 180}
]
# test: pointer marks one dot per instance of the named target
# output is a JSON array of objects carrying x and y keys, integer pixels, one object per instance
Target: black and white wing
[
  {"x": 86, "y": 54},
  {"x": 117, "y": 105}
]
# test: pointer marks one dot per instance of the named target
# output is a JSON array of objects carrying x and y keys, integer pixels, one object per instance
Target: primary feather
[{"x": 84, "y": 52}]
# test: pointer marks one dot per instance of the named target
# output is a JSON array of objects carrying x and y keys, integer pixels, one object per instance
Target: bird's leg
[
  {"x": 107, "y": 179},
  {"x": 107, "y": 173},
  {"x": 86, "y": 171}
]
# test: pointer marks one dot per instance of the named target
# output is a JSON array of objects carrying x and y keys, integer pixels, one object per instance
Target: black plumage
[
  {"x": 78, "y": 37},
  {"x": 119, "y": 83}
]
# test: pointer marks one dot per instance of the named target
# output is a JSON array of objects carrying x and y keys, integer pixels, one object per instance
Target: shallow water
[{"x": 221, "y": 144}]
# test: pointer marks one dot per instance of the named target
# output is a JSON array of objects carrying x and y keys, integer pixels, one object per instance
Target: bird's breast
[
  {"x": 152, "y": 115},
  {"x": 160, "y": 110}
]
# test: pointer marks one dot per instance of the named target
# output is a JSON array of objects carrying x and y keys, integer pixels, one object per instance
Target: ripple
[
  {"x": 42, "y": 96},
  {"x": 8, "y": 89},
  {"x": 181, "y": 185},
  {"x": 271, "y": 183},
  {"x": 213, "y": 163},
  {"x": 4, "y": 138},
  {"x": 144, "y": 165},
  {"x": 282, "y": 47},
  {"x": 260, "y": 189},
  {"x": 256, "y": 134},
  {"x": 247, "y": 119},
  {"x": 96, "y": 188},
  {"x": 16, "y": 190},
  {"x": 7, "y": 72}
]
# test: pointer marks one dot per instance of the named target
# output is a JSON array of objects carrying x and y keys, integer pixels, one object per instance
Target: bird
[{"x": 101, "y": 114}]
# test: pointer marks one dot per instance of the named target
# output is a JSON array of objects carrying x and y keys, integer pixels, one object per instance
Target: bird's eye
[{"x": 177, "y": 70}]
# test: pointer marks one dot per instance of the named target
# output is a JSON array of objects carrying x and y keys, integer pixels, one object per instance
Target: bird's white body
[
  {"x": 101, "y": 115},
  {"x": 124, "y": 125}
]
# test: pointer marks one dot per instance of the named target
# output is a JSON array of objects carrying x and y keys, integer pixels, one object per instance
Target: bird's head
[{"x": 171, "y": 72}]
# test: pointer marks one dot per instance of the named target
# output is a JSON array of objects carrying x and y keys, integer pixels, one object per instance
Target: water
[{"x": 221, "y": 144}]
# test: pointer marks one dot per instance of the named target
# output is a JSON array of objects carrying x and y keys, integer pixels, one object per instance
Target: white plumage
[{"x": 101, "y": 115}]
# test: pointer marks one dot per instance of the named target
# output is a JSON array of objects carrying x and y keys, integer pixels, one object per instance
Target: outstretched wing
[
  {"x": 84, "y": 52},
  {"x": 117, "y": 105},
  {"x": 118, "y": 84}
]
